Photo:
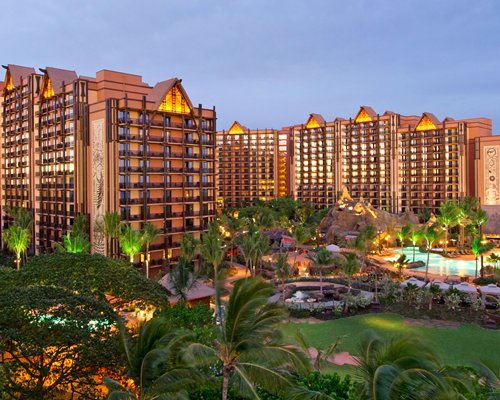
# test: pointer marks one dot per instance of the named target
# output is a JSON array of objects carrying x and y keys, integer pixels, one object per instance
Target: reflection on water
[{"x": 439, "y": 265}]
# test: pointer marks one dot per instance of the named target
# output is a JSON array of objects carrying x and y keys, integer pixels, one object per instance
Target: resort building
[
  {"x": 84, "y": 145},
  {"x": 19, "y": 106},
  {"x": 395, "y": 162},
  {"x": 314, "y": 162},
  {"x": 252, "y": 165}
]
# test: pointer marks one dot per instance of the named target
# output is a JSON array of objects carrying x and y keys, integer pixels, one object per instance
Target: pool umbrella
[
  {"x": 413, "y": 281},
  {"x": 466, "y": 288},
  {"x": 441, "y": 285},
  {"x": 333, "y": 248},
  {"x": 490, "y": 290}
]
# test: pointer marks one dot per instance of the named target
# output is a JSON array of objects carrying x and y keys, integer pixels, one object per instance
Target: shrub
[{"x": 485, "y": 281}]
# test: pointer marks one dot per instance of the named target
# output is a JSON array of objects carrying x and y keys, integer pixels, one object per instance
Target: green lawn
[{"x": 460, "y": 346}]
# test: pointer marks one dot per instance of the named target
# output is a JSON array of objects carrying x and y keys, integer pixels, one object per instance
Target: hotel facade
[
  {"x": 110, "y": 143},
  {"x": 397, "y": 163},
  {"x": 251, "y": 164}
]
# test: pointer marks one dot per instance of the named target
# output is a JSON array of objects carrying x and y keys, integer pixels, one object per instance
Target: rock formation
[{"x": 349, "y": 216}]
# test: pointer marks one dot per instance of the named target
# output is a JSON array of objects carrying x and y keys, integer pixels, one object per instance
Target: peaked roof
[
  {"x": 161, "y": 89},
  {"x": 58, "y": 77},
  {"x": 427, "y": 122},
  {"x": 315, "y": 121},
  {"x": 237, "y": 128},
  {"x": 17, "y": 72},
  {"x": 365, "y": 114}
]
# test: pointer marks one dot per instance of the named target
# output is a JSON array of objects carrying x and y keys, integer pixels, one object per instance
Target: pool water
[{"x": 439, "y": 265}]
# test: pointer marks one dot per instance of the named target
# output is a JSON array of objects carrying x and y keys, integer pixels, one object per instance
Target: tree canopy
[
  {"x": 95, "y": 274},
  {"x": 56, "y": 340}
]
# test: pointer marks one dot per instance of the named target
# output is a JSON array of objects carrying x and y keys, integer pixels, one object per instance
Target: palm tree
[
  {"x": 284, "y": 271},
  {"x": 401, "y": 368},
  {"x": 431, "y": 235},
  {"x": 247, "y": 248},
  {"x": 211, "y": 251},
  {"x": 479, "y": 218},
  {"x": 130, "y": 242},
  {"x": 189, "y": 247},
  {"x": 434, "y": 292},
  {"x": 363, "y": 242},
  {"x": 467, "y": 206},
  {"x": 233, "y": 227},
  {"x": 401, "y": 263},
  {"x": 22, "y": 218},
  {"x": 414, "y": 237},
  {"x": 490, "y": 374},
  {"x": 479, "y": 249},
  {"x": 402, "y": 234},
  {"x": 76, "y": 242},
  {"x": 350, "y": 266},
  {"x": 321, "y": 258},
  {"x": 301, "y": 235},
  {"x": 322, "y": 355},
  {"x": 17, "y": 240},
  {"x": 183, "y": 278},
  {"x": 249, "y": 343},
  {"x": 260, "y": 249},
  {"x": 155, "y": 364},
  {"x": 449, "y": 216},
  {"x": 493, "y": 258},
  {"x": 149, "y": 235},
  {"x": 110, "y": 227}
]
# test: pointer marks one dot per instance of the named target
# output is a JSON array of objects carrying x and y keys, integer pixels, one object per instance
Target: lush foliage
[
  {"x": 95, "y": 274},
  {"x": 56, "y": 341}
]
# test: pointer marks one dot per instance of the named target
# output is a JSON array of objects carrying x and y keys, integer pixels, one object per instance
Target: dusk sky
[{"x": 270, "y": 63}]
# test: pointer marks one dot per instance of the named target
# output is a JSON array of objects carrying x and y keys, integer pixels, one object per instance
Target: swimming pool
[{"x": 439, "y": 265}]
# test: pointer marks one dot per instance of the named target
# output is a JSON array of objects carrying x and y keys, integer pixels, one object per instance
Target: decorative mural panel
[
  {"x": 97, "y": 134},
  {"x": 491, "y": 175}
]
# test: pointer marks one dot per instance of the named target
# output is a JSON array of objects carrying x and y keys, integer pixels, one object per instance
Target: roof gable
[
  {"x": 14, "y": 75},
  {"x": 427, "y": 122},
  {"x": 315, "y": 121},
  {"x": 170, "y": 96},
  {"x": 54, "y": 79},
  {"x": 365, "y": 114},
  {"x": 237, "y": 129}
]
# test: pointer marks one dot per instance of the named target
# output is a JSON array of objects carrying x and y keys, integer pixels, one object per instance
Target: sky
[{"x": 270, "y": 63}]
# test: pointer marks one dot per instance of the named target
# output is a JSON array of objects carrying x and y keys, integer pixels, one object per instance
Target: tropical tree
[
  {"x": 363, "y": 243},
  {"x": 467, "y": 206},
  {"x": 111, "y": 228},
  {"x": 17, "y": 240},
  {"x": 479, "y": 218},
  {"x": 493, "y": 258},
  {"x": 403, "y": 233},
  {"x": 77, "y": 240},
  {"x": 189, "y": 247},
  {"x": 414, "y": 237},
  {"x": 260, "y": 249},
  {"x": 490, "y": 377},
  {"x": 449, "y": 216},
  {"x": 401, "y": 368},
  {"x": 424, "y": 214},
  {"x": 155, "y": 364},
  {"x": 401, "y": 263},
  {"x": 479, "y": 249},
  {"x": 150, "y": 233},
  {"x": 131, "y": 242},
  {"x": 322, "y": 355},
  {"x": 249, "y": 344},
  {"x": 321, "y": 258},
  {"x": 431, "y": 235},
  {"x": 284, "y": 271},
  {"x": 183, "y": 278},
  {"x": 233, "y": 227},
  {"x": 302, "y": 235},
  {"x": 350, "y": 266},
  {"x": 22, "y": 218},
  {"x": 55, "y": 339},
  {"x": 434, "y": 292},
  {"x": 212, "y": 252},
  {"x": 247, "y": 248}
]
